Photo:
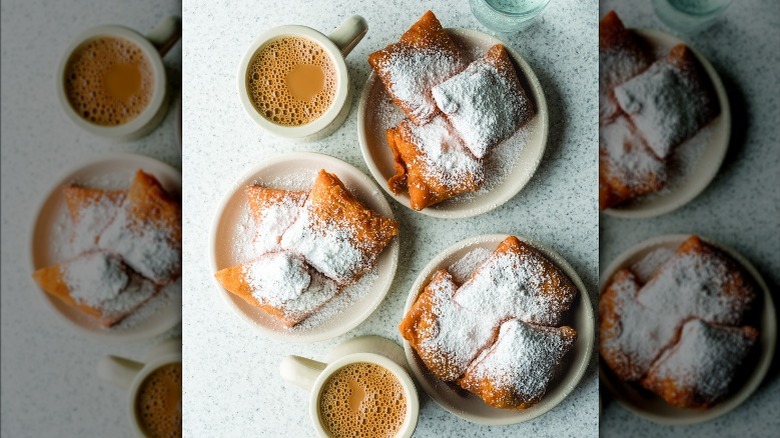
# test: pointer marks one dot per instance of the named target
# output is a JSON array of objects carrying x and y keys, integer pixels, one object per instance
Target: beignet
[
  {"x": 425, "y": 56},
  {"x": 517, "y": 281},
  {"x": 627, "y": 167},
  {"x": 273, "y": 211},
  {"x": 698, "y": 371},
  {"x": 91, "y": 210},
  {"x": 97, "y": 284},
  {"x": 336, "y": 234},
  {"x": 515, "y": 371},
  {"x": 446, "y": 336},
  {"x": 670, "y": 101},
  {"x": 432, "y": 163},
  {"x": 281, "y": 284},
  {"x": 485, "y": 103}
]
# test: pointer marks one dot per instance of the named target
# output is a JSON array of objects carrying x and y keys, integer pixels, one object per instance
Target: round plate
[
  {"x": 654, "y": 408},
  {"x": 277, "y": 172},
  {"x": 114, "y": 171},
  {"x": 469, "y": 406},
  {"x": 709, "y": 157},
  {"x": 377, "y": 113}
]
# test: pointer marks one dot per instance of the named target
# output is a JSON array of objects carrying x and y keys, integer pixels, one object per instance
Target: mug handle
[
  {"x": 118, "y": 370},
  {"x": 166, "y": 34},
  {"x": 349, "y": 34},
  {"x": 301, "y": 371}
]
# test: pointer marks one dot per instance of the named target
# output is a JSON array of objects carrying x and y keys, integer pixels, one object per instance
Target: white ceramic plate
[
  {"x": 709, "y": 158},
  {"x": 470, "y": 407},
  {"x": 654, "y": 408},
  {"x": 377, "y": 113},
  {"x": 274, "y": 172},
  {"x": 106, "y": 171}
]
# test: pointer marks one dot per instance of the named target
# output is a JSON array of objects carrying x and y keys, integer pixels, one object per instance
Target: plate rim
[
  {"x": 584, "y": 300},
  {"x": 237, "y": 183},
  {"x": 764, "y": 362},
  {"x": 61, "y": 177},
  {"x": 465, "y": 211},
  {"x": 649, "y": 210}
]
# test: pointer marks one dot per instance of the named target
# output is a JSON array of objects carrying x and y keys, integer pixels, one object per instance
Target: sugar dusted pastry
[
  {"x": 515, "y": 372},
  {"x": 425, "y": 56},
  {"x": 697, "y": 371},
  {"x": 627, "y": 166},
  {"x": 281, "y": 284},
  {"x": 518, "y": 282},
  {"x": 670, "y": 101},
  {"x": 622, "y": 55},
  {"x": 91, "y": 210},
  {"x": 273, "y": 212},
  {"x": 446, "y": 336},
  {"x": 681, "y": 333},
  {"x": 479, "y": 336},
  {"x": 485, "y": 103},
  {"x": 146, "y": 231},
  {"x": 432, "y": 163},
  {"x": 336, "y": 234},
  {"x": 97, "y": 284}
]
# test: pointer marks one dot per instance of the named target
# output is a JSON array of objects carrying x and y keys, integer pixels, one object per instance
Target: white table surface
[
  {"x": 741, "y": 208},
  {"x": 49, "y": 381},
  {"x": 232, "y": 386}
]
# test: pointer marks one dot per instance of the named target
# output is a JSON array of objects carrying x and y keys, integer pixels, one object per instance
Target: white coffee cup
[
  {"x": 154, "y": 45},
  {"x": 312, "y": 376},
  {"x": 338, "y": 45},
  {"x": 128, "y": 374}
]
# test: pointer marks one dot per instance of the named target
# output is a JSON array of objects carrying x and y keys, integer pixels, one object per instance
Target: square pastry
[
  {"x": 432, "y": 163},
  {"x": 627, "y": 166},
  {"x": 336, "y": 234},
  {"x": 670, "y": 101},
  {"x": 425, "y": 56},
  {"x": 485, "y": 102},
  {"x": 273, "y": 211}
]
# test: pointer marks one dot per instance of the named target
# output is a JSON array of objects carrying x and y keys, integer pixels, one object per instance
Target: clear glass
[
  {"x": 690, "y": 16},
  {"x": 507, "y": 15}
]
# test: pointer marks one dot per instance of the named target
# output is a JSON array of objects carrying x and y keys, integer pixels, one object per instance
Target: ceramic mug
[
  {"x": 312, "y": 376},
  {"x": 154, "y": 45},
  {"x": 128, "y": 374},
  {"x": 338, "y": 44}
]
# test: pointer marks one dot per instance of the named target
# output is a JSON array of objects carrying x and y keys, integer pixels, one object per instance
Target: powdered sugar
[
  {"x": 466, "y": 265},
  {"x": 484, "y": 105},
  {"x": 646, "y": 267},
  {"x": 95, "y": 278},
  {"x": 148, "y": 248},
  {"x": 331, "y": 309},
  {"x": 277, "y": 278},
  {"x": 412, "y": 72},
  {"x": 616, "y": 65},
  {"x": 630, "y": 161},
  {"x": 92, "y": 218}
]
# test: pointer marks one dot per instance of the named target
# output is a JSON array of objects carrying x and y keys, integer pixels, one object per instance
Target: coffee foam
[
  {"x": 86, "y": 80},
  {"x": 158, "y": 403},
  {"x": 363, "y": 399},
  {"x": 267, "y": 81}
]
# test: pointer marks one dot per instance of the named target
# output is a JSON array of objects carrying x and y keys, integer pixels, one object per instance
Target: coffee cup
[
  {"x": 313, "y": 114},
  {"x": 134, "y": 63},
  {"x": 324, "y": 380},
  {"x": 153, "y": 387}
]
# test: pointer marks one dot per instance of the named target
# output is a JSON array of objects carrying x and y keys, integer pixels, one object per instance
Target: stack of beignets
[
  {"x": 127, "y": 247},
  {"x": 457, "y": 112},
  {"x": 312, "y": 245},
  {"x": 647, "y": 108},
  {"x": 495, "y": 334},
  {"x": 681, "y": 334}
]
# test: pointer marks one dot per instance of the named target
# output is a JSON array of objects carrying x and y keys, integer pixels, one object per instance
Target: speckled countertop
[
  {"x": 741, "y": 207},
  {"x": 49, "y": 381},
  {"x": 232, "y": 382}
]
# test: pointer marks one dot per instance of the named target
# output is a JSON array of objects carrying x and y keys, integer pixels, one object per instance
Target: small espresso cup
[
  {"x": 130, "y": 375},
  {"x": 154, "y": 46},
  {"x": 337, "y": 45},
  {"x": 312, "y": 376}
]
